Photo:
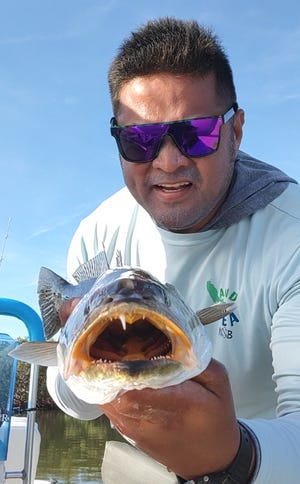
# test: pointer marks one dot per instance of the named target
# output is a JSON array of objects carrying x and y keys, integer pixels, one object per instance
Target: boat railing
[{"x": 33, "y": 323}]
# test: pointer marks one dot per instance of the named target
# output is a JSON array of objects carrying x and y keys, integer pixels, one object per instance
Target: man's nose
[{"x": 170, "y": 157}]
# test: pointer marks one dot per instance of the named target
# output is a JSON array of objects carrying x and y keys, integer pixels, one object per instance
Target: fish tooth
[{"x": 123, "y": 321}]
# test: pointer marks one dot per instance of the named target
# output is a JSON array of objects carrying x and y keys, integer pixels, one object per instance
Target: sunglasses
[{"x": 195, "y": 137}]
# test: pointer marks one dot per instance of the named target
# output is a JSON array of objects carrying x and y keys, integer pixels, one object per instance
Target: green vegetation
[
  {"x": 22, "y": 386},
  {"x": 44, "y": 401},
  {"x": 20, "y": 401}
]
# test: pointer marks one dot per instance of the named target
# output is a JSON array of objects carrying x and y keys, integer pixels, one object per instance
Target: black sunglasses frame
[{"x": 115, "y": 130}]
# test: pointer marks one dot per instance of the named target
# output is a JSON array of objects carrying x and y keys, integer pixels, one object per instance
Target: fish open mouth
[
  {"x": 140, "y": 340},
  {"x": 132, "y": 333}
]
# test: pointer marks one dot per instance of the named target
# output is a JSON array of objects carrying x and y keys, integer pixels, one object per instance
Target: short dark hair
[{"x": 173, "y": 46}]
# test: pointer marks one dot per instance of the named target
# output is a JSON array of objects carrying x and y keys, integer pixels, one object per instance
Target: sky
[{"x": 57, "y": 158}]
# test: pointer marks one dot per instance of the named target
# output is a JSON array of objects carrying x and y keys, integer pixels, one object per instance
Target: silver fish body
[{"x": 129, "y": 331}]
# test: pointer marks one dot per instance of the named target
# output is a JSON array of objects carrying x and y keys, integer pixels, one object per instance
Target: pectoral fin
[
  {"x": 37, "y": 353},
  {"x": 215, "y": 312}
]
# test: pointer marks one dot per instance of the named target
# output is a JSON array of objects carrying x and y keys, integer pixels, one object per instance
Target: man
[{"x": 219, "y": 225}]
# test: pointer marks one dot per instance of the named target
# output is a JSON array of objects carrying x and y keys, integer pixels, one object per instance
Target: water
[{"x": 72, "y": 450}]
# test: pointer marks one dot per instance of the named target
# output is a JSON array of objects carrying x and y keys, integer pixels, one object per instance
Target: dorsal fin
[{"x": 92, "y": 268}]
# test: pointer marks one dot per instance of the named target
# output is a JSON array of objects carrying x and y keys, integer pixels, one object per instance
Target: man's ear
[{"x": 238, "y": 123}]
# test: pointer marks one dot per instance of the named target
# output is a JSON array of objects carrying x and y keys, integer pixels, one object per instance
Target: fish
[{"x": 128, "y": 331}]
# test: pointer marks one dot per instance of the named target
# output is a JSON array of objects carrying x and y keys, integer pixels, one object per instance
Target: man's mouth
[{"x": 172, "y": 187}]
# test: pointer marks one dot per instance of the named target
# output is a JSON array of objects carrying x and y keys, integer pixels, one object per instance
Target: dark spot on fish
[
  {"x": 108, "y": 300},
  {"x": 139, "y": 366},
  {"x": 86, "y": 309}
]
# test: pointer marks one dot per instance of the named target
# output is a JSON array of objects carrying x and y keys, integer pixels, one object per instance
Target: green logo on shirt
[{"x": 224, "y": 295}]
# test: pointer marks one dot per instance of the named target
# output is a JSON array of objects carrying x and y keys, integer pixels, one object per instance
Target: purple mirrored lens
[
  {"x": 140, "y": 142},
  {"x": 197, "y": 137},
  {"x": 194, "y": 137}
]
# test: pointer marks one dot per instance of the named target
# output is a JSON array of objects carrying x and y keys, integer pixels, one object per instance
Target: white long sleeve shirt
[{"x": 256, "y": 264}]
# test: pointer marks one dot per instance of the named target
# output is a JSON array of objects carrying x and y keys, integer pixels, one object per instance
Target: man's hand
[
  {"x": 67, "y": 308},
  {"x": 191, "y": 428}
]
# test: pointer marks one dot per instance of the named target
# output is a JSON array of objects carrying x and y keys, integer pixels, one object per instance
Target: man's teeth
[{"x": 173, "y": 186}]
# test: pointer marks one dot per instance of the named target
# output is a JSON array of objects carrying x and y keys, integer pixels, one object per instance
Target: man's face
[{"x": 180, "y": 193}]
